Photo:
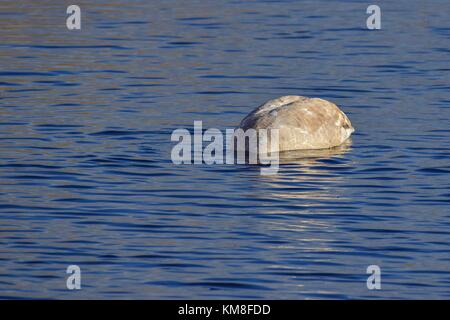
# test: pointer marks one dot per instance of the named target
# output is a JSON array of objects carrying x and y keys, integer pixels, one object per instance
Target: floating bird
[{"x": 303, "y": 123}]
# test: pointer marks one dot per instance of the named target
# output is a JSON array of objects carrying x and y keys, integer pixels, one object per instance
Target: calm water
[{"x": 85, "y": 170}]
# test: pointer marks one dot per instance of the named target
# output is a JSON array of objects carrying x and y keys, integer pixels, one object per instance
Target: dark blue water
[{"x": 86, "y": 176}]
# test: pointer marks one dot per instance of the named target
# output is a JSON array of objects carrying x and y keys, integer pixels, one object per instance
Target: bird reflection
[
  {"x": 307, "y": 188},
  {"x": 307, "y": 175},
  {"x": 311, "y": 156}
]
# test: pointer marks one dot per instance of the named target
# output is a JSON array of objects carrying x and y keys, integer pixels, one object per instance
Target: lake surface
[{"x": 86, "y": 176}]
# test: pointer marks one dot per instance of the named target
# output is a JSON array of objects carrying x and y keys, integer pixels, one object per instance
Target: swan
[{"x": 303, "y": 123}]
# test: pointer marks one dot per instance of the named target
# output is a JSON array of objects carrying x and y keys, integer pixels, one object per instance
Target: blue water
[{"x": 86, "y": 176}]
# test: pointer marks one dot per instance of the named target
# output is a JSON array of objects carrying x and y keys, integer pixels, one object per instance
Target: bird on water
[{"x": 303, "y": 123}]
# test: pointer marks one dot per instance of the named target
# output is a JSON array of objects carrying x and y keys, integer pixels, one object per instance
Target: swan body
[{"x": 303, "y": 123}]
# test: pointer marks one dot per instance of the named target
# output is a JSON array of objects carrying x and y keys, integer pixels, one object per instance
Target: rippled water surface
[{"x": 85, "y": 170}]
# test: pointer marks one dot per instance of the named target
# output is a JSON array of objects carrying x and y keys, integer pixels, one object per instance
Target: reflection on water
[
  {"x": 86, "y": 176},
  {"x": 308, "y": 157},
  {"x": 305, "y": 177}
]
